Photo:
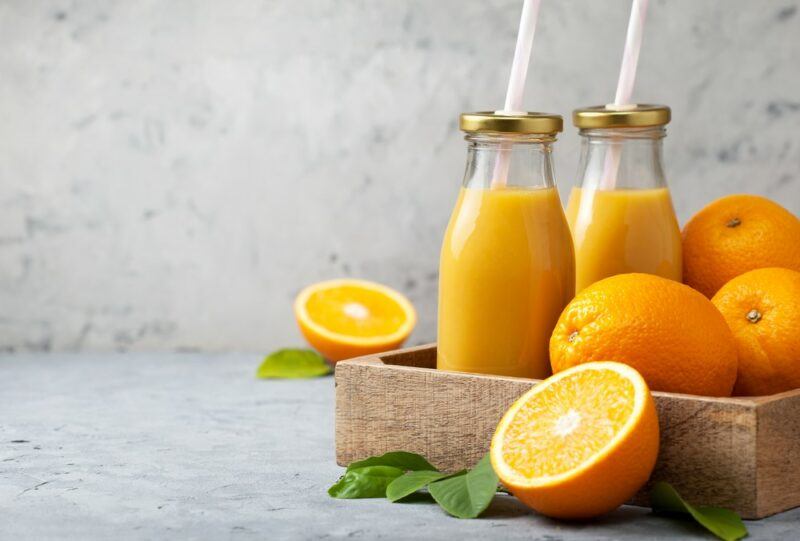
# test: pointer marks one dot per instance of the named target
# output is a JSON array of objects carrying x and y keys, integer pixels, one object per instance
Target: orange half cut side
[
  {"x": 349, "y": 318},
  {"x": 580, "y": 443}
]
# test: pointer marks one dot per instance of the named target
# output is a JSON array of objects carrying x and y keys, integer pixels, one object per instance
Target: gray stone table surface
[{"x": 192, "y": 446}]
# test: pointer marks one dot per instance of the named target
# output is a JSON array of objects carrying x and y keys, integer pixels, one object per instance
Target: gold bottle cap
[
  {"x": 522, "y": 122},
  {"x": 622, "y": 116}
]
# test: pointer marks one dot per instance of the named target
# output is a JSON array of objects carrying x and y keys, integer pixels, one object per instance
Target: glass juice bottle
[
  {"x": 507, "y": 267},
  {"x": 621, "y": 215}
]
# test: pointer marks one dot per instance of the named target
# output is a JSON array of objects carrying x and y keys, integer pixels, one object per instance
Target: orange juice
[
  {"x": 506, "y": 272},
  {"x": 621, "y": 231}
]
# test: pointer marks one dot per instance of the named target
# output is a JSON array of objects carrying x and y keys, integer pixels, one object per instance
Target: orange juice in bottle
[
  {"x": 507, "y": 264},
  {"x": 621, "y": 216}
]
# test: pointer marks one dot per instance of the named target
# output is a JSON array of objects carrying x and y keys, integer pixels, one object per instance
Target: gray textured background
[{"x": 172, "y": 172}]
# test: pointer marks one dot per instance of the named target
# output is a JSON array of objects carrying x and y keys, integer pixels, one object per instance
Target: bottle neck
[
  {"x": 622, "y": 158},
  {"x": 526, "y": 161}
]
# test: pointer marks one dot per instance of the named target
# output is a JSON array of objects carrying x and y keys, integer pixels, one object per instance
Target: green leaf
[
  {"x": 467, "y": 495},
  {"x": 398, "y": 459},
  {"x": 368, "y": 482},
  {"x": 412, "y": 482},
  {"x": 723, "y": 523},
  {"x": 293, "y": 363}
]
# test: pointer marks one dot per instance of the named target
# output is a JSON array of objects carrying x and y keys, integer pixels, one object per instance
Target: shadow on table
[
  {"x": 501, "y": 507},
  {"x": 504, "y": 506},
  {"x": 630, "y": 517},
  {"x": 633, "y": 518}
]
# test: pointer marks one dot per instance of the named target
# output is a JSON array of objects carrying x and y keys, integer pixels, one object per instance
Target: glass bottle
[
  {"x": 621, "y": 214},
  {"x": 507, "y": 266}
]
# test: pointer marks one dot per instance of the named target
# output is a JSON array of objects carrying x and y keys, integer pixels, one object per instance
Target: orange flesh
[
  {"x": 355, "y": 311},
  {"x": 565, "y": 425}
]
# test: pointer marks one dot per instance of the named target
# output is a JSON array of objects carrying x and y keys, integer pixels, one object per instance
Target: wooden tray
[{"x": 738, "y": 453}]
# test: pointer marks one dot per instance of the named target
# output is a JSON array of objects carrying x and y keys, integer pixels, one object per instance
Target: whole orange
[
  {"x": 762, "y": 308},
  {"x": 666, "y": 330},
  {"x": 736, "y": 234}
]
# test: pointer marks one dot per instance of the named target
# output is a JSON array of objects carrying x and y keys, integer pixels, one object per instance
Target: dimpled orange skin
[
  {"x": 736, "y": 234},
  {"x": 762, "y": 308},
  {"x": 670, "y": 333}
]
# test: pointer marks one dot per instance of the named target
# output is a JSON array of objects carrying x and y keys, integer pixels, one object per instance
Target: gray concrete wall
[{"x": 172, "y": 172}]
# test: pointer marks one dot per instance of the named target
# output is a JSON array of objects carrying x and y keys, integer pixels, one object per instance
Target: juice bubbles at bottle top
[
  {"x": 621, "y": 217},
  {"x": 507, "y": 264}
]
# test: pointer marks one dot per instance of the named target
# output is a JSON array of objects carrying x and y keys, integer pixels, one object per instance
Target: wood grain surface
[{"x": 738, "y": 453}]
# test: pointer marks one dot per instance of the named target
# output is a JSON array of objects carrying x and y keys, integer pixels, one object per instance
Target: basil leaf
[
  {"x": 293, "y": 363},
  {"x": 369, "y": 482},
  {"x": 723, "y": 523},
  {"x": 467, "y": 495},
  {"x": 397, "y": 459},
  {"x": 411, "y": 482}
]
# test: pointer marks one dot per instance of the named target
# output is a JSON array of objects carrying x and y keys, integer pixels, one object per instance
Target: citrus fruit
[
  {"x": 666, "y": 330},
  {"x": 736, "y": 234},
  {"x": 762, "y": 308},
  {"x": 349, "y": 318},
  {"x": 580, "y": 443}
]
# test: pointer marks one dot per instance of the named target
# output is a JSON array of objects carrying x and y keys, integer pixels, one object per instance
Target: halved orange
[
  {"x": 349, "y": 318},
  {"x": 580, "y": 443}
]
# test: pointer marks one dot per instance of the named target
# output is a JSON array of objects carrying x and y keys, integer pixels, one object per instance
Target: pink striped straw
[
  {"x": 516, "y": 82},
  {"x": 627, "y": 76}
]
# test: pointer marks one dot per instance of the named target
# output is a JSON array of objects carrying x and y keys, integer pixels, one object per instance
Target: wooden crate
[{"x": 738, "y": 453}]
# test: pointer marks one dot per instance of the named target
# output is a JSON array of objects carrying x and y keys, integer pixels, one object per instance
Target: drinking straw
[
  {"x": 627, "y": 76},
  {"x": 516, "y": 82}
]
